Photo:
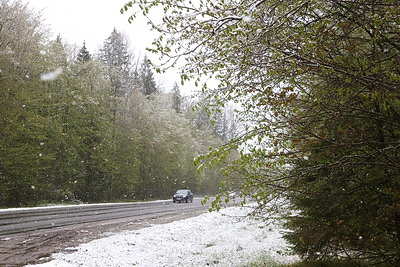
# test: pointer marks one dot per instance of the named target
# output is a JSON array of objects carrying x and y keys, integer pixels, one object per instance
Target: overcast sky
[{"x": 92, "y": 21}]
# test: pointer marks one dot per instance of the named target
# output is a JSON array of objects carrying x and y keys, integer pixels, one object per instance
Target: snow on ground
[
  {"x": 66, "y": 206},
  {"x": 226, "y": 238}
]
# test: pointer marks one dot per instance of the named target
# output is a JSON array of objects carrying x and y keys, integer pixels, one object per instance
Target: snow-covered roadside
[
  {"x": 211, "y": 239},
  {"x": 66, "y": 206}
]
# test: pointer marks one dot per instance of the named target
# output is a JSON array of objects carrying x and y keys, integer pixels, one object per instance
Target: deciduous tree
[{"x": 318, "y": 82}]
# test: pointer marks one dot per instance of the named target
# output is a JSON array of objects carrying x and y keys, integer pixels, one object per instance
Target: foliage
[
  {"x": 79, "y": 129},
  {"x": 83, "y": 55},
  {"x": 176, "y": 98},
  {"x": 21, "y": 122},
  {"x": 318, "y": 87},
  {"x": 145, "y": 78},
  {"x": 117, "y": 63}
]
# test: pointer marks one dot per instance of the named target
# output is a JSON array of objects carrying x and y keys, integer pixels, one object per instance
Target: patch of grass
[
  {"x": 263, "y": 261},
  {"x": 333, "y": 263},
  {"x": 266, "y": 261}
]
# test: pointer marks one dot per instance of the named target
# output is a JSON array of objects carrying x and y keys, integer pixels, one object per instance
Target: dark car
[{"x": 183, "y": 195}]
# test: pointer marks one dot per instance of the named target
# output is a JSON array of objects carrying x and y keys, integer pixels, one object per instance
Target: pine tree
[
  {"x": 117, "y": 62},
  {"x": 146, "y": 78},
  {"x": 176, "y": 98},
  {"x": 83, "y": 55}
]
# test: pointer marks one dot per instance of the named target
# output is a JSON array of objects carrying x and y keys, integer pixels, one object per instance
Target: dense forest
[
  {"x": 316, "y": 90},
  {"x": 77, "y": 126}
]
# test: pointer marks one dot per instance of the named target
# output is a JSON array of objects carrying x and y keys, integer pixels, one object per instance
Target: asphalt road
[
  {"x": 31, "y": 220},
  {"x": 29, "y": 236}
]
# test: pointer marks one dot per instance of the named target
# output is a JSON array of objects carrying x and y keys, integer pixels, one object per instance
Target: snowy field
[{"x": 225, "y": 238}]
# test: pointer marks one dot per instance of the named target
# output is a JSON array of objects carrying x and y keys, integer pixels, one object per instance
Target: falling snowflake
[{"x": 49, "y": 76}]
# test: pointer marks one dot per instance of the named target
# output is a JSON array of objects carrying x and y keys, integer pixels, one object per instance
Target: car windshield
[{"x": 181, "y": 192}]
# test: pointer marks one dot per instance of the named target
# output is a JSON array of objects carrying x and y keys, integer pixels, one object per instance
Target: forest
[
  {"x": 313, "y": 140},
  {"x": 80, "y": 127}
]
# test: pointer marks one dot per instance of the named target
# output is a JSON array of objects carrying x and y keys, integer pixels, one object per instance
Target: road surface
[{"x": 29, "y": 235}]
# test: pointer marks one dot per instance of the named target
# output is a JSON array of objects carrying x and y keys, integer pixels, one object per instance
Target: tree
[
  {"x": 16, "y": 17},
  {"x": 90, "y": 132},
  {"x": 117, "y": 60},
  {"x": 225, "y": 125},
  {"x": 165, "y": 150},
  {"x": 23, "y": 159},
  {"x": 146, "y": 78},
  {"x": 83, "y": 55},
  {"x": 176, "y": 98},
  {"x": 318, "y": 82},
  {"x": 71, "y": 130}
]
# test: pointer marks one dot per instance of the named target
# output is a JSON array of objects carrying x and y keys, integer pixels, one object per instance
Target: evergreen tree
[
  {"x": 117, "y": 61},
  {"x": 176, "y": 98},
  {"x": 83, "y": 55},
  {"x": 224, "y": 124},
  {"x": 146, "y": 78},
  {"x": 318, "y": 82}
]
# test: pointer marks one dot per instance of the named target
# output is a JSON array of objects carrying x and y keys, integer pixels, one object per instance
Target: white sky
[
  {"x": 92, "y": 21},
  {"x": 212, "y": 239}
]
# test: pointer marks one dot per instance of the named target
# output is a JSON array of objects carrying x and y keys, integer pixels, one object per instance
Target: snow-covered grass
[{"x": 226, "y": 238}]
